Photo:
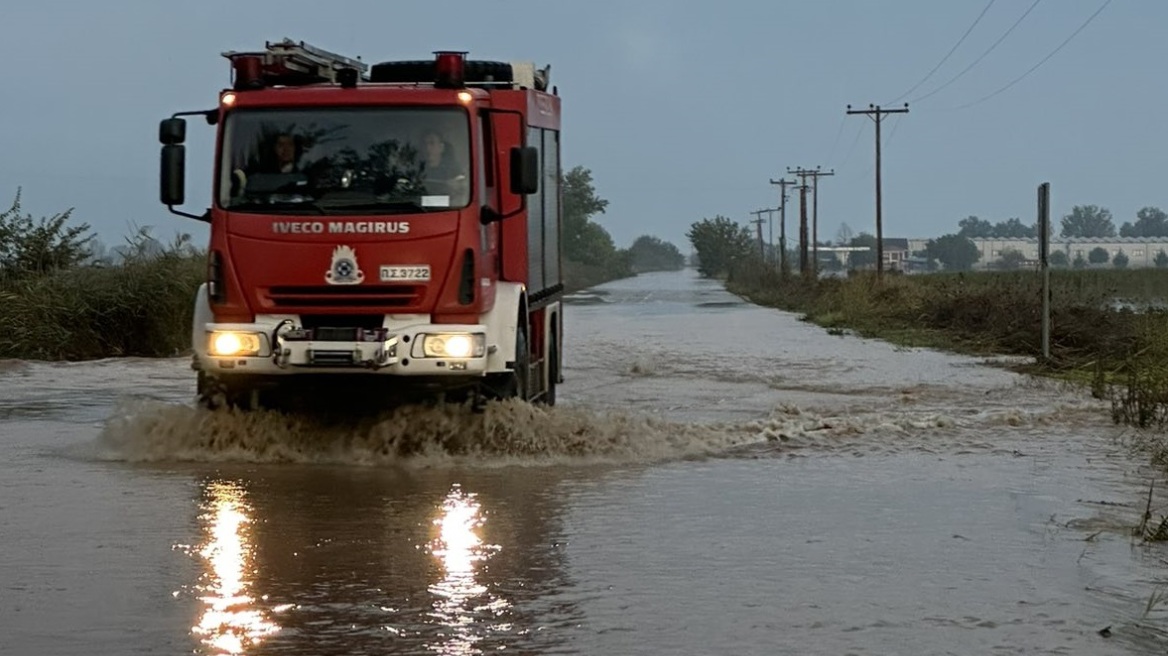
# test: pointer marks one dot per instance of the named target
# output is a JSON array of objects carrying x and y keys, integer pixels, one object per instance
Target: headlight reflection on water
[
  {"x": 231, "y": 622},
  {"x": 462, "y": 601}
]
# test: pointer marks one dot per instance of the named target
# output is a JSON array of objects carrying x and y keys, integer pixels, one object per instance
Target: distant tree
[
  {"x": 585, "y": 241},
  {"x": 649, "y": 253},
  {"x": 719, "y": 243},
  {"x": 1150, "y": 222},
  {"x": 100, "y": 254},
  {"x": 1161, "y": 259},
  {"x": 1088, "y": 221},
  {"x": 956, "y": 252},
  {"x": 972, "y": 227},
  {"x": 844, "y": 235},
  {"x": 1014, "y": 229},
  {"x": 590, "y": 244},
  {"x": 580, "y": 204},
  {"x": 1120, "y": 260},
  {"x": 1011, "y": 259},
  {"x": 1058, "y": 259},
  {"x": 29, "y": 247},
  {"x": 1079, "y": 262},
  {"x": 863, "y": 258},
  {"x": 1098, "y": 255}
]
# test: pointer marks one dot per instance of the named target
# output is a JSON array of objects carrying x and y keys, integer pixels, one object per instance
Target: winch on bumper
[
  {"x": 424, "y": 350},
  {"x": 335, "y": 347}
]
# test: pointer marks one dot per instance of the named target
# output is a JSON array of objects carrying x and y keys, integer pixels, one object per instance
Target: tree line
[
  {"x": 956, "y": 252},
  {"x": 720, "y": 242},
  {"x": 1085, "y": 221},
  {"x": 590, "y": 255}
]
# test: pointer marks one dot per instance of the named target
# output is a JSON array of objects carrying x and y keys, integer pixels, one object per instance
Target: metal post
[{"x": 1044, "y": 263}]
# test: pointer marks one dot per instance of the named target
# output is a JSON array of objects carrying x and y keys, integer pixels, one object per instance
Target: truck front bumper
[{"x": 281, "y": 348}]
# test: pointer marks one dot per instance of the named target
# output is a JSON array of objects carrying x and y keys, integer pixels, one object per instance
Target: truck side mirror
[
  {"x": 172, "y": 131},
  {"x": 173, "y": 179},
  {"x": 524, "y": 170}
]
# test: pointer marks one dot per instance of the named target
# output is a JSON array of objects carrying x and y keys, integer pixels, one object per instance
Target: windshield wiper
[
  {"x": 280, "y": 207},
  {"x": 377, "y": 205}
]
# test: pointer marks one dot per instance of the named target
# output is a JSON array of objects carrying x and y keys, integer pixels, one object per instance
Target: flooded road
[{"x": 718, "y": 478}]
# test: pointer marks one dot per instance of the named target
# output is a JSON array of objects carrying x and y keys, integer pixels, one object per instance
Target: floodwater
[{"x": 718, "y": 478}]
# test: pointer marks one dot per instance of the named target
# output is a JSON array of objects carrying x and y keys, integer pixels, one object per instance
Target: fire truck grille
[{"x": 349, "y": 296}]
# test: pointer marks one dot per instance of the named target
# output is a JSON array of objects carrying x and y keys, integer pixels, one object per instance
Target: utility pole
[
  {"x": 771, "y": 226},
  {"x": 803, "y": 259},
  {"x": 782, "y": 221},
  {"x": 758, "y": 224},
  {"x": 770, "y": 235},
  {"x": 815, "y": 218},
  {"x": 877, "y": 114},
  {"x": 814, "y": 174}
]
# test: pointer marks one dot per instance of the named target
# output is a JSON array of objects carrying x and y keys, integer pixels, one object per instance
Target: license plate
[{"x": 395, "y": 273}]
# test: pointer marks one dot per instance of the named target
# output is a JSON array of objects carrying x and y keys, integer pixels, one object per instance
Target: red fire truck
[{"x": 381, "y": 229}]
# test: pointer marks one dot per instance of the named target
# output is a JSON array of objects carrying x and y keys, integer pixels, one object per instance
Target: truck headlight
[
  {"x": 454, "y": 345},
  {"x": 232, "y": 343}
]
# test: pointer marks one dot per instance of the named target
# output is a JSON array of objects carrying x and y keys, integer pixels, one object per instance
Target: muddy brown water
[{"x": 718, "y": 478}]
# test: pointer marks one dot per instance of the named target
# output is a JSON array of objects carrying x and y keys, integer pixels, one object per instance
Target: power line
[
  {"x": 983, "y": 55},
  {"x": 852, "y": 148},
  {"x": 838, "y": 133},
  {"x": 947, "y": 55},
  {"x": 892, "y": 132},
  {"x": 885, "y": 140},
  {"x": 1043, "y": 60}
]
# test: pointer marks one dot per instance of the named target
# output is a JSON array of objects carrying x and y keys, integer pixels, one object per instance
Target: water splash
[
  {"x": 515, "y": 433},
  {"x": 505, "y": 433}
]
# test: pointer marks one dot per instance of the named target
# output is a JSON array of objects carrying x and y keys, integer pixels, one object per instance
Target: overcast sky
[{"x": 681, "y": 109}]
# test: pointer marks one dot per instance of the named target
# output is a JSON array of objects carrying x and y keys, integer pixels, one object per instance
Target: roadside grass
[
  {"x": 1109, "y": 328},
  {"x": 140, "y": 308}
]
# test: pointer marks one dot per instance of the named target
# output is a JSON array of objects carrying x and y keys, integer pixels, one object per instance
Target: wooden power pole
[
  {"x": 758, "y": 221},
  {"x": 877, "y": 114},
  {"x": 782, "y": 221},
  {"x": 814, "y": 174},
  {"x": 804, "y": 260}
]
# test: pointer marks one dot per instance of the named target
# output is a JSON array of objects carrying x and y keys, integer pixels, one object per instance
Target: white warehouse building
[{"x": 1140, "y": 251}]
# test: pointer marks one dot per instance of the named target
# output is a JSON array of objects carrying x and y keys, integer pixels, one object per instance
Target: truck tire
[
  {"x": 209, "y": 393},
  {"x": 213, "y": 394},
  {"x": 553, "y": 371},
  {"x": 522, "y": 374}
]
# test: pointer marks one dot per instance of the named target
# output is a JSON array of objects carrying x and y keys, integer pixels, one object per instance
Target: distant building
[
  {"x": 1140, "y": 251},
  {"x": 896, "y": 253}
]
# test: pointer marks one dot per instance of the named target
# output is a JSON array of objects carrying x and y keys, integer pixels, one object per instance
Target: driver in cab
[
  {"x": 282, "y": 158},
  {"x": 441, "y": 172}
]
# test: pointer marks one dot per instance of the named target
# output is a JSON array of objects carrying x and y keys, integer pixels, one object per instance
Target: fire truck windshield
[{"x": 345, "y": 160}]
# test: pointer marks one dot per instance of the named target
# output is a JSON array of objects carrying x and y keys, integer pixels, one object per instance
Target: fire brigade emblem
[{"x": 344, "y": 269}]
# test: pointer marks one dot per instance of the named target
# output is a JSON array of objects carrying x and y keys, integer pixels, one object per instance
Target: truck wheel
[
  {"x": 553, "y": 371},
  {"x": 522, "y": 374},
  {"x": 213, "y": 394},
  {"x": 209, "y": 393}
]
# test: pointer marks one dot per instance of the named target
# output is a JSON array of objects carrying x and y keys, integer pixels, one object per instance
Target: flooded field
[{"x": 718, "y": 478}]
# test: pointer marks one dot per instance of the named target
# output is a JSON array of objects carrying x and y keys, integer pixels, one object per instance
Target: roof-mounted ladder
[{"x": 292, "y": 63}]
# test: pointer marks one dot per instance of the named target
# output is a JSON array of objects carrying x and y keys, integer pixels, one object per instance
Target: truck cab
[{"x": 392, "y": 229}]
